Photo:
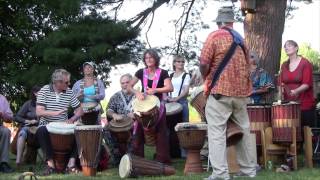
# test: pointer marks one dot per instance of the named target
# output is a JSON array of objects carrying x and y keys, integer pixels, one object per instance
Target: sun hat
[
  {"x": 225, "y": 14},
  {"x": 92, "y": 64}
]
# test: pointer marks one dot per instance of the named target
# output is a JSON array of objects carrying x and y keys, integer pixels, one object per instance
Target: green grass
[{"x": 112, "y": 173}]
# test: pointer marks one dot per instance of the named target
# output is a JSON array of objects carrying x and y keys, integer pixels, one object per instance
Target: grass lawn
[{"x": 112, "y": 173}]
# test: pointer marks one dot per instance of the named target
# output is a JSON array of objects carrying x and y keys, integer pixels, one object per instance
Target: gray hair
[
  {"x": 58, "y": 75},
  {"x": 126, "y": 75}
]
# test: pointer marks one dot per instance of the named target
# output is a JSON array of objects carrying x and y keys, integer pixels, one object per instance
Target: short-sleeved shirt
[
  {"x": 176, "y": 83},
  {"x": 53, "y": 101},
  {"x": 5, "y": 108},
  {"x": 26, "y": 112},
  {"x": 117, "y": 104},
  {"x": 235, "y": 78},
  {"x": 292, "y": 80},
  {"x": 163, "y": 75}
]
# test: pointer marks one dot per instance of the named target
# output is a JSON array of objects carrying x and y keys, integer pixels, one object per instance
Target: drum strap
[
  {"x": 127, "y": 106},
  {"x": 155, "y": 79},
  {"x": 237, "y": 41}
]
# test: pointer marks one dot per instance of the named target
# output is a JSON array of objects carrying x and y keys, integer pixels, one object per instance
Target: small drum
[
  {"x": 173, "y": 117},
  {"x": 91, "y": 113},
  {"x": 191, "y": 137},
  {"x": 120, "y": 130},
  {"x": 260, "y": 119},
  {"x": 147, "y": 113},
  {"x": 88, "y": 139},
  {"x": 284, "y": 117},
  {"x": 133, "y": 166},
  {"x": 62, "y": 141},
  {"x": 198, "y": 101}
]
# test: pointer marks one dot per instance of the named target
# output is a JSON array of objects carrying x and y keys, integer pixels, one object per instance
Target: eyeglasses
[
  {"x": 66, "y": 82},
  {"x": 179, "y": 61}
]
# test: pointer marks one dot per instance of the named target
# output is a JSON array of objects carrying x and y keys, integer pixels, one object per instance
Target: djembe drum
[
  {"x": 260, "y": 119},
  {"x": 147, "y": 113},
  {"x": 283, "y": 118},
  {"x": 121, "y": 131},
  {"x": 174, "y": 116},
  {"x": 199, "y": 101},
  {"x": 133, "y": 166},
  {"x": 191, "y": 137},
  {"x": 91, "y": 113},
  {"x": 88, "y": 139},
  {"x": 62, "y": 141}
]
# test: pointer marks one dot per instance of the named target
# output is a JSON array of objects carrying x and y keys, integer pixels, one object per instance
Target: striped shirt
[{"x": 53, "y": 101}]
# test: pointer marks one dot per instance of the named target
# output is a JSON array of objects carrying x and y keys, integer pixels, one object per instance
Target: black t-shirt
[{"x": 163, "y": 75}]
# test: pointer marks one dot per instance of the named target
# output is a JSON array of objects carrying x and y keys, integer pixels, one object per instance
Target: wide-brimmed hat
[
  {"x": 149, "y": 102},
  {"x": 92, "y": 64},
  {"x": 225, "y": 14}
]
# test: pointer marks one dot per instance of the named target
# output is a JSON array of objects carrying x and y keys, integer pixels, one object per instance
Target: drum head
[
  {"x": 60, "y": 128},
  {"x": 88, "y": 127},
  {"x": 120, "y": 125},
  {"x": 125, "y": 166},
  {"x": 149, "y": 102},
  {"x": 190, "y": 126},
  {"x": 173, "y": 108},
  {"x": 196, "y": 91}
]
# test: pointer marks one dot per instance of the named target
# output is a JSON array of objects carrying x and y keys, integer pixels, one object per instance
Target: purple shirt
[{"x": 5, "y": 108}]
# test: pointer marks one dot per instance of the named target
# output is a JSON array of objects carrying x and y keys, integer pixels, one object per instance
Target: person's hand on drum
[
  {"x": 58, "y": 113},
  {"x": 130, "y": 115},
  {"x": 140, "y": 95},
  {"x": 117, "y": 117},
  {"x": 70, "y": 121},
  {"x": 31, "y": 122},
  {"x": 151, "y": 91}
]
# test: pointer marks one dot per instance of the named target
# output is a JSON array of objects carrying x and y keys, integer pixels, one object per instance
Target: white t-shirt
[{"x": 176, "y": 82}]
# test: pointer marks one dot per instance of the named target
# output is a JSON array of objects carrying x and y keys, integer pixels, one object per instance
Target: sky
[{"x": 304, "y": 27}]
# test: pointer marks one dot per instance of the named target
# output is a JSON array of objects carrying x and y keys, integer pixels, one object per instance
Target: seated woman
[{"x": 28, "y": 119}]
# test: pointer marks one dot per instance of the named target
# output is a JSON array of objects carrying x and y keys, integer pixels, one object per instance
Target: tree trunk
[{"x": 263, "y": 32}]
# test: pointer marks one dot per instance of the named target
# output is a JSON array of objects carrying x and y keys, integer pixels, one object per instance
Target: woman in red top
[{"x": 296, "y": 77}]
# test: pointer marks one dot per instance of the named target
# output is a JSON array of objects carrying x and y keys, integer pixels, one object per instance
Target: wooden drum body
[
  {"x": 133, "y": 166},
  {"x": 121, "y": 131},
  {"x": 284, "y": 117},
  {"x": 91, "y": 113},
  {"x": 62, "y": 141},
  {"x": 260, "y": 119},
  {"x": 191, "y": 137},
  {"x": 198, "y": 101},
  {"x": 147, "y": 113},
  {"x": 88, "y": 139}
]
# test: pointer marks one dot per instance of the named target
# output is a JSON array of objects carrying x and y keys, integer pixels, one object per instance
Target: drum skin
[{"x": 134, "y": 166}]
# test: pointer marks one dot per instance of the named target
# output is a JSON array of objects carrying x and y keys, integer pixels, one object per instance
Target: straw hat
[
  {"x": 149, "y": 102},
  {"x": 225, "y": 14}
]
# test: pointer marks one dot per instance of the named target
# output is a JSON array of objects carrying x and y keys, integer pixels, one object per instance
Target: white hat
[{"x": 92, "y": 64}]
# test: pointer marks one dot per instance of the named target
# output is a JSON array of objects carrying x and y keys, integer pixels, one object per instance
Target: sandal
[
  {"x": 283, "y": 169},
  {"x": 48, "y": 171},
  {"x": 72, "y": 170}
]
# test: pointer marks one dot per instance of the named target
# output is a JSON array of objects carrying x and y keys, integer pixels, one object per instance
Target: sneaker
[
  {"x": 215, "y": 178},
  {"x": 48, "y": 171},
  {"x": 5, "y": 168},
  {"x": 241, "y": 174}
]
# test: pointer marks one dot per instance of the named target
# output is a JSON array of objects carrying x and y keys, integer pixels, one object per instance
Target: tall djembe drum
[
  {"x": 191, "y": 137},
  {"x": 62, "y": 140},
  {"x": 88, "y": 139}
]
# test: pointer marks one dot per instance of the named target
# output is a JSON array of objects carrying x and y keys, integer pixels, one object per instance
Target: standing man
[
  {"x": 53, "y": 102},
  {"x": 5, "y": 134},
  {"x": 227, "y": 98}
]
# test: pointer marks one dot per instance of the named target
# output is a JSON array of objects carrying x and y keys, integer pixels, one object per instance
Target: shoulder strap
[
  {"x": 237, "y": 40},
  {"x": 171, "y": 75},
  {"x": 183, "y": 77}
]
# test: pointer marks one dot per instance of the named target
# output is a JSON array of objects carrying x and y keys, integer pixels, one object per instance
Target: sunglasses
[{"x": 179, "y": 61}]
